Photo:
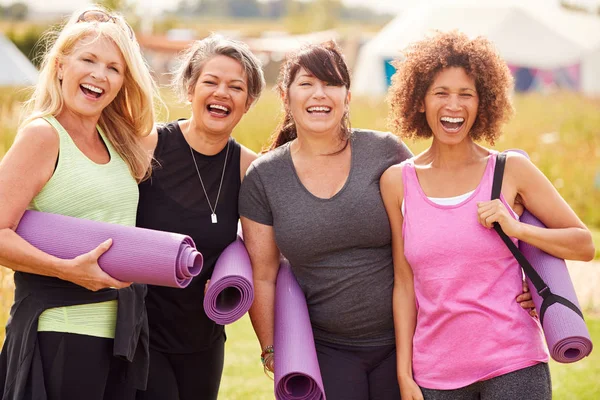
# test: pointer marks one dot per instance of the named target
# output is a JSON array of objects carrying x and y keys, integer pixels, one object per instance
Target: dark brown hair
[
  {"x": 426, "y": 58},
  {"x": 326, "y": 62}
]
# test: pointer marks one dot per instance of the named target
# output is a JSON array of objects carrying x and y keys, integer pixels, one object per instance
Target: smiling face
[
  {"x": 220, "y": 96},
  {"x": 92, "y": 76},
  {"x": 316, "y": 106},
  {"x": 451, "y": 105}
]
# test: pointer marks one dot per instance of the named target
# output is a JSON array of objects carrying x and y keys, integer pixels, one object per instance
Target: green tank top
[{"x": 82, "y": 188}]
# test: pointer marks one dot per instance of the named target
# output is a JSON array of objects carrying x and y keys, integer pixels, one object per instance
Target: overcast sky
[{"x": 156, "y": 6}]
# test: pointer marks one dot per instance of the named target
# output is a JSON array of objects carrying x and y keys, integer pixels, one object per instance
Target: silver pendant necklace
[{"x": 213, "y": 215}]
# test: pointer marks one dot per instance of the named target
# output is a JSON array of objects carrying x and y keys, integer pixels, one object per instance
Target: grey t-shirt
[{"x": 339, "y": 248}]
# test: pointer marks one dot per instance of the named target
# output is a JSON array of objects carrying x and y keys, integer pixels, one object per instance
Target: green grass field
[
  {"x": 560, "y": 132},
  {"x": 243, "y": 377}
]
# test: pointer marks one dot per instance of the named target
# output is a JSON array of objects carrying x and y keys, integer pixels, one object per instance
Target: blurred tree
[
  {"x": 216, "y": 8},
  {"x": 243, "y": 8},
  {"x": 113, "y": 5},
  {"x": 313, "y": 16},
  {"x": 16, "y": 11},
  {"x": 29, "y": 42}
]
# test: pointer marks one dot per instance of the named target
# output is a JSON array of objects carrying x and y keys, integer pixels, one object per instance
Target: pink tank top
[{"x": 469, "y": 326}]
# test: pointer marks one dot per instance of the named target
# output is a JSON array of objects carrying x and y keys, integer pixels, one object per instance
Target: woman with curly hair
[{"x": 469, "y": 339}]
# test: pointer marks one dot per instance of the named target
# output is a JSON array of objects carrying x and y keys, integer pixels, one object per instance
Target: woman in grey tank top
[{"x": 315, "y": 197}]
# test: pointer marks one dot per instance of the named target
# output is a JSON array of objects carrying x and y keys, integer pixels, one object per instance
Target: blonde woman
[{"x": 75, "y": 332}]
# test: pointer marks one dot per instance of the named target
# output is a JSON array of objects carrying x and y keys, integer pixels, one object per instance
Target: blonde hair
[{"x": 130, "y": 115}]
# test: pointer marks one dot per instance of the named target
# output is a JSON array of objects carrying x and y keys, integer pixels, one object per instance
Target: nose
[
  {"x": 98, "y": 74},
  {"x": 319, "y": 92},
  {"x": 221, "y": 90},
  {"x": 453, "y": 103}
]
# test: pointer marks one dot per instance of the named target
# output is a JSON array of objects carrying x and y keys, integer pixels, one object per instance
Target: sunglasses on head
[{"x": 103, "y": 16}]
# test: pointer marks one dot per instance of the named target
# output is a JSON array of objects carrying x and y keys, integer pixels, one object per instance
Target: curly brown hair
[{"x": 425, "y": 59}]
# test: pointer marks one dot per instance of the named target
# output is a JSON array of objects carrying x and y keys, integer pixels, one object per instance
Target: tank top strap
[
  {"x": 409, "y": 180},
  {"x": 66, "y": 144},
  {"x": 485, "y": 189},
  {"x": 111, "y": 149}
]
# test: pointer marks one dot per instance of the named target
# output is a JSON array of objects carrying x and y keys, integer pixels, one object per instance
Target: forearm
[
  {"x": 568, "y": 243},
  {"x": 262, "y": 312},
  {"x": 405, "y": 318},
  {"x": 18, "y": 255}
]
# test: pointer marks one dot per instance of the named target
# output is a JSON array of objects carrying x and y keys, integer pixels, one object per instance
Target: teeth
[
  {"x": 92, "y": 88},
  {"x": 219, "y": 107},
  {"x": 323, "y": 109},
  {"x": 453, "y": 120}
]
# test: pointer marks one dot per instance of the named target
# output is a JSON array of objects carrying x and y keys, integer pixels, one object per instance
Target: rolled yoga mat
[
  {"x": 297, "y": 373},
  {"x": 566, "y": 333},
  {"x": 231, "y": 289},
  {"x": 136, "y": 255}
]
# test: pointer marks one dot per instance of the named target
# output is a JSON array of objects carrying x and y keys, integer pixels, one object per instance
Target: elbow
[
  {"x": 587, "y": 249},
  {"x": 589, "y": 253}
]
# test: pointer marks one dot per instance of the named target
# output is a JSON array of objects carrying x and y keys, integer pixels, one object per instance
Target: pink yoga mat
[
  {"x": 231, "y": 289},
  {"x": 566, "y": 333},
  {"x": 297, "y": 373},
  {"x": 136, "y": 255}
]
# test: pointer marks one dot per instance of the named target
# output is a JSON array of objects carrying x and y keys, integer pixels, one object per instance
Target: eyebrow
[
  {"x": 460, "y": 90},
  {"x": 92, "y": 55},
  {"x": 233, "y": 80}
]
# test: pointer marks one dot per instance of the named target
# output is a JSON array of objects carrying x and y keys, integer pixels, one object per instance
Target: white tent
[
  {"x": 528, "y": 34},
  {"x": 15, "y": 68}
]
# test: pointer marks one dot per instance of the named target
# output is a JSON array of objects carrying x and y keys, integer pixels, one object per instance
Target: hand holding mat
[
  {"x": 136, "y": 255},
  {"x": 297, "y": 373},
  {"x": 230, "y": 292},
  {"x": 566, "y": 333}
]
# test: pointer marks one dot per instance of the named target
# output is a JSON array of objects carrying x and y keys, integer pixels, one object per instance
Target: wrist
[
  {"x": 519, "y": 230},
  {"x": 405, "y": 377},
  {"x": 266, "y": 353},
  {"x": 62, "y": 268}
]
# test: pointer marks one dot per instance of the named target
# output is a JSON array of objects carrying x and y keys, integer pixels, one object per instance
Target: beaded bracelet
[
  {"x": 267, "y": 350},
  {"x": 266, "y": 356}
]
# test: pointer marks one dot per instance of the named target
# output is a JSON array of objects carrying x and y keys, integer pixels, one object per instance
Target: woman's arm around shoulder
[
  {"x": 246, "y": 158},
  {"x": 149, "y": 142},
  {"x": 403, "y": 297},
  {"x": 26, "y": 168},
  {"x": 566, "y": 236}
]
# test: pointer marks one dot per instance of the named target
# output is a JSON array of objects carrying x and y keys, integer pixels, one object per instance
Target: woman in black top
[{"x": 193, "y": 190}]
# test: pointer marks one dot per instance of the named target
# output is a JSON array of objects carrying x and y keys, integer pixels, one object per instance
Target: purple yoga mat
[
  {"x": 566, "y": 334},
  {"x": 297, "y": 373},
  {"x": 231, "y": 289},
  {"x": 136, "y": 255}
]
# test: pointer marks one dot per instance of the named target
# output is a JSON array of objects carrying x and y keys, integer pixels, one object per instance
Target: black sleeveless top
[{"x": 172, "y": 200}]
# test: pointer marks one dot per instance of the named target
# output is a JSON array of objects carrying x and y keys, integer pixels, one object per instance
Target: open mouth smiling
[
  {"x": 91, "y": 90},
  {"x": 452, "y": 124},
  {"x": 319, "y": 110},
  {"x": 218, "y": 110}
]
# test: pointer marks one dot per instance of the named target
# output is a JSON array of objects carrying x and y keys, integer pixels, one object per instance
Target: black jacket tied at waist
[{"x": 21, "y": 374}]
